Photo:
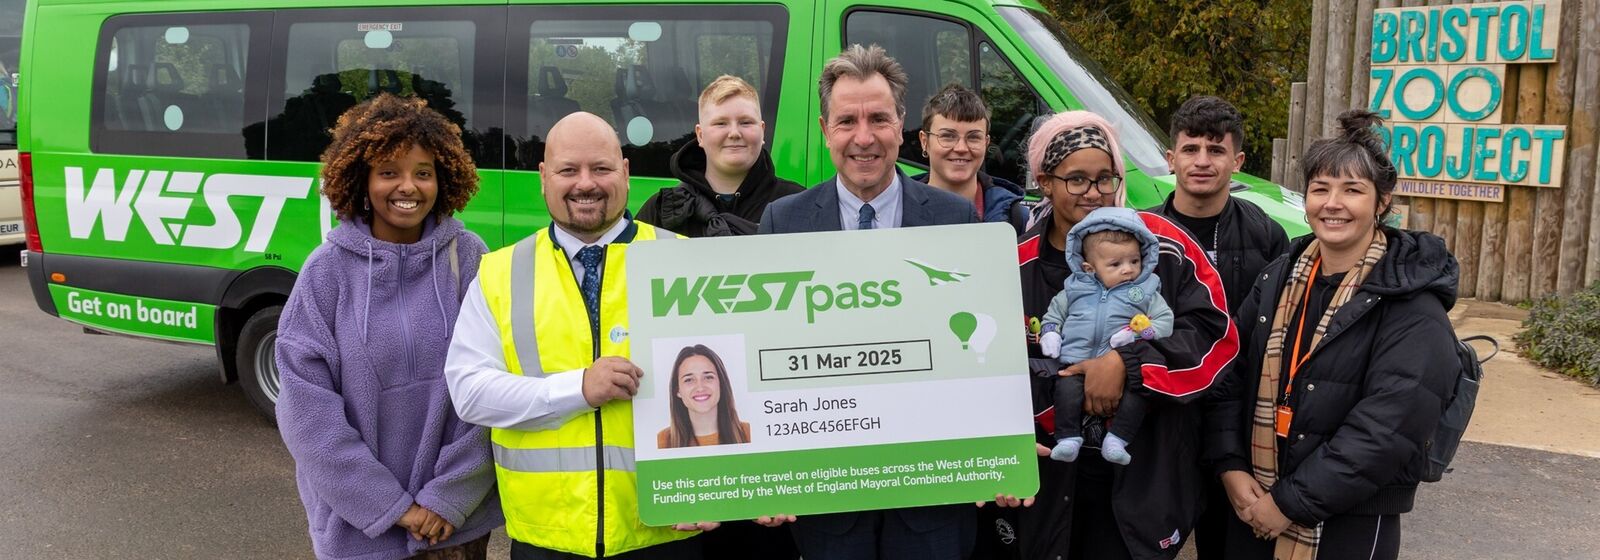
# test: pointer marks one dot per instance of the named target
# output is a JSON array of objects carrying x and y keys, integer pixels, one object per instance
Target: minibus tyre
[{"x": 256, "y": 359}]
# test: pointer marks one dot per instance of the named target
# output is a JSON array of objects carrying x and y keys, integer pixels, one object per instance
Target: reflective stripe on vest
[
  {"x": 570, "y": 459},
  {"x": 522, "y": 265},
  {"x": 561, "y": 489}
]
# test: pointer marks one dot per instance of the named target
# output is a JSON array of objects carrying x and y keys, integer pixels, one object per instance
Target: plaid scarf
[{"x": 1298, "y": 542}]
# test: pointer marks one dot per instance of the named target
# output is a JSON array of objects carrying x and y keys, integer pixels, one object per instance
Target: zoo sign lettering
[{"x": 1438, "y": 79}]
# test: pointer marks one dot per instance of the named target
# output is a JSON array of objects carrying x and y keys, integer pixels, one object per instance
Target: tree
[{"x": 1244, "y": 51}]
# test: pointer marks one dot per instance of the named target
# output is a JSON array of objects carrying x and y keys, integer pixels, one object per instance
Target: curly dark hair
[
  {"x": 1210, "y": 117},
  {"x": 382, "y": 129}
]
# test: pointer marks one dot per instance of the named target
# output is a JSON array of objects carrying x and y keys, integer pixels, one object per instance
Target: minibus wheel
[{"x": 256, "y": 357}]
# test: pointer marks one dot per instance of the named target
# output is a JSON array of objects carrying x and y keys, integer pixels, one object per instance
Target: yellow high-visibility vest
[{"x": 569, "y": 489}]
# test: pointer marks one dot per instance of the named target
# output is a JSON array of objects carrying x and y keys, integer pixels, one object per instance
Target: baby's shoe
[
  {"x": 1066, "y": 449},
  {"x": 1115, "y": 450}
]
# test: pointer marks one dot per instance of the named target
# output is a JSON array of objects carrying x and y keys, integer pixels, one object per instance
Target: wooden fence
[{"x": 1537, "y": 240}]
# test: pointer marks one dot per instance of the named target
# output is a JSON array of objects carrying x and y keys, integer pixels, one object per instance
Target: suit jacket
[{"x": 817, "y": 208}]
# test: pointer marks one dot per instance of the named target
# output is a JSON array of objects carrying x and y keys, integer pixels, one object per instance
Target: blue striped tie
[{"x": 867, "y": 214}]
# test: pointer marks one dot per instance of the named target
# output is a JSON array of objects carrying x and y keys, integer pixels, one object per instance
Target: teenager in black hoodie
[{"x": 726, "y": 175}]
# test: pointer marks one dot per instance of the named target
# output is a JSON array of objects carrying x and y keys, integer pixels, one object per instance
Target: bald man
[{"x": 540, "y": 356}]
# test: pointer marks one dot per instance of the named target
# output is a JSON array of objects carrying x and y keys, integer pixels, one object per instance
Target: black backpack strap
[{"x": 1494, "y": 344}]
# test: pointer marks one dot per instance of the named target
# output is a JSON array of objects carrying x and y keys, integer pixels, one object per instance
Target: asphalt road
[{"x": 122, "y": 448}]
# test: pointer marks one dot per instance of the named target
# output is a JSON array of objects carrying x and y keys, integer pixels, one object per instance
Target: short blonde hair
[{"x": 727, "y": 87}]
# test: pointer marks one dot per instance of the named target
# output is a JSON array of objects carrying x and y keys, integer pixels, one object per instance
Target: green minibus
[{"x": 168, "y": 149}]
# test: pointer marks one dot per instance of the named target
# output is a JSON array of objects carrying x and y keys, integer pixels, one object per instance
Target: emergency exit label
[{"x": 158, "y": 318}]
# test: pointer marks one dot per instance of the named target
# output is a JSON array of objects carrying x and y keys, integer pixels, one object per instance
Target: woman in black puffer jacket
[{"x": 1320, "y": 432}]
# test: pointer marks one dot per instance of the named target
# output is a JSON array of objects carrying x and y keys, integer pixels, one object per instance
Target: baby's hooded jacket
[{"x": 1087, "y": 313}]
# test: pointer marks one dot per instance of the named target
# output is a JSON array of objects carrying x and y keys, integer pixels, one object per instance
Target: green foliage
[
  {"x": 1244, "y": 51},
  {"x": 1563, "y": 333}
]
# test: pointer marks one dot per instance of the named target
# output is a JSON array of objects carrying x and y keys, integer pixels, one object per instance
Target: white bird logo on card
[
  {"x": 142, "y": 193},
  {"x": 937, "y": 276}
]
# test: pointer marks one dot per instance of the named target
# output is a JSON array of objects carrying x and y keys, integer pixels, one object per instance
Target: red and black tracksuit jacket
[{"x": 1159, "y": 495}]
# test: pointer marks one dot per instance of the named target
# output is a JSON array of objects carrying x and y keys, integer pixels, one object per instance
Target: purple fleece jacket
[{"x": 364, "y": 409}]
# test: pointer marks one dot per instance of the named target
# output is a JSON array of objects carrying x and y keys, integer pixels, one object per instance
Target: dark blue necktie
[
  {"x": 590, "y": 258},
  {"x": 867, "y": 214}
]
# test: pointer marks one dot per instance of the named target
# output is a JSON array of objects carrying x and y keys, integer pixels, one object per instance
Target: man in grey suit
[{"x": 863, "y": 105}]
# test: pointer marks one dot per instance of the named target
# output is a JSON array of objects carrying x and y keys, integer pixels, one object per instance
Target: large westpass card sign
[{"x": 826, "y": 372}]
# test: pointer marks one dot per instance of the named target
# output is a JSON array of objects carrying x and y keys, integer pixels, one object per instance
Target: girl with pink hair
[{"x": 1091, "y": 508}]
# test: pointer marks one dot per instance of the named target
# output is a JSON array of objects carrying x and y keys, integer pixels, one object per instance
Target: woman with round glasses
[
  {"x": 955, "y": 138},
  {"x": 1091, "y": 508}
]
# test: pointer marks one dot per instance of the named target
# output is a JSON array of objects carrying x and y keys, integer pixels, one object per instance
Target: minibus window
[
  {"x": 167, "y": 83},
  {"x": 1144, "y": 142},
  {"x": 933, "y": 51},
  {"x": 176, "y": 85},
  {"x": 639, "y": 68},
  {"x": 1013, "y": 105},
  {"x": 330, "y": 66}
]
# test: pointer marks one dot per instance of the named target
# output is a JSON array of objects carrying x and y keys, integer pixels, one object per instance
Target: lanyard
[{"x": 1295, "y": 359}]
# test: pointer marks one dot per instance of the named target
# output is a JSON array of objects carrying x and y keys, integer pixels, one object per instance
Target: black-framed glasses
[
  {"x": 1079, "y": 184},
  {"x": 947, "y": 139}
]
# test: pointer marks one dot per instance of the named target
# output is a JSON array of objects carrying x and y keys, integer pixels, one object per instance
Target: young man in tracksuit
[{"x": 1208, "y": 147}]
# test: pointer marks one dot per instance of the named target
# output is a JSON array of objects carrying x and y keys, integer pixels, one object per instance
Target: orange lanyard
[{"x": 1295, "y": 359}]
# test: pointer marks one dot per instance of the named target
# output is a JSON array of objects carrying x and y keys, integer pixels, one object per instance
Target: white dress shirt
[
  {"x": 483, "y": 392},
  {"x": 886, "y": 205},
  {"x": 571, "y": 244}
]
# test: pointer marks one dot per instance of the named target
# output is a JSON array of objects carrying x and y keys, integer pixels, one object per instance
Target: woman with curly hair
[{"x": 385, "y": 467}]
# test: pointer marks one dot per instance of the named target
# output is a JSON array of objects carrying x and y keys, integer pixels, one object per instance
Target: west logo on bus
[
  {"x": 143, "y": 193},
  {"x": 749, "y": 293}
]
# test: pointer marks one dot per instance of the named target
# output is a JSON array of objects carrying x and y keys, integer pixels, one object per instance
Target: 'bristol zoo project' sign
[{"x": 1438, "y": 80}]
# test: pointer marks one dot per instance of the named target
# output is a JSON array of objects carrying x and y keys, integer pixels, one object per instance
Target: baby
[{"x": 1112, "y": 298}]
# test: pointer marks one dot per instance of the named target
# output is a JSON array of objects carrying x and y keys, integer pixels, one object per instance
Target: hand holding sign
[{"x": 610, "y": 378}]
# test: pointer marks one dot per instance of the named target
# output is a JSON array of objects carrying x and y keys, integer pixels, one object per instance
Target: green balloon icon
[{"x": 963, "y": 324}]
